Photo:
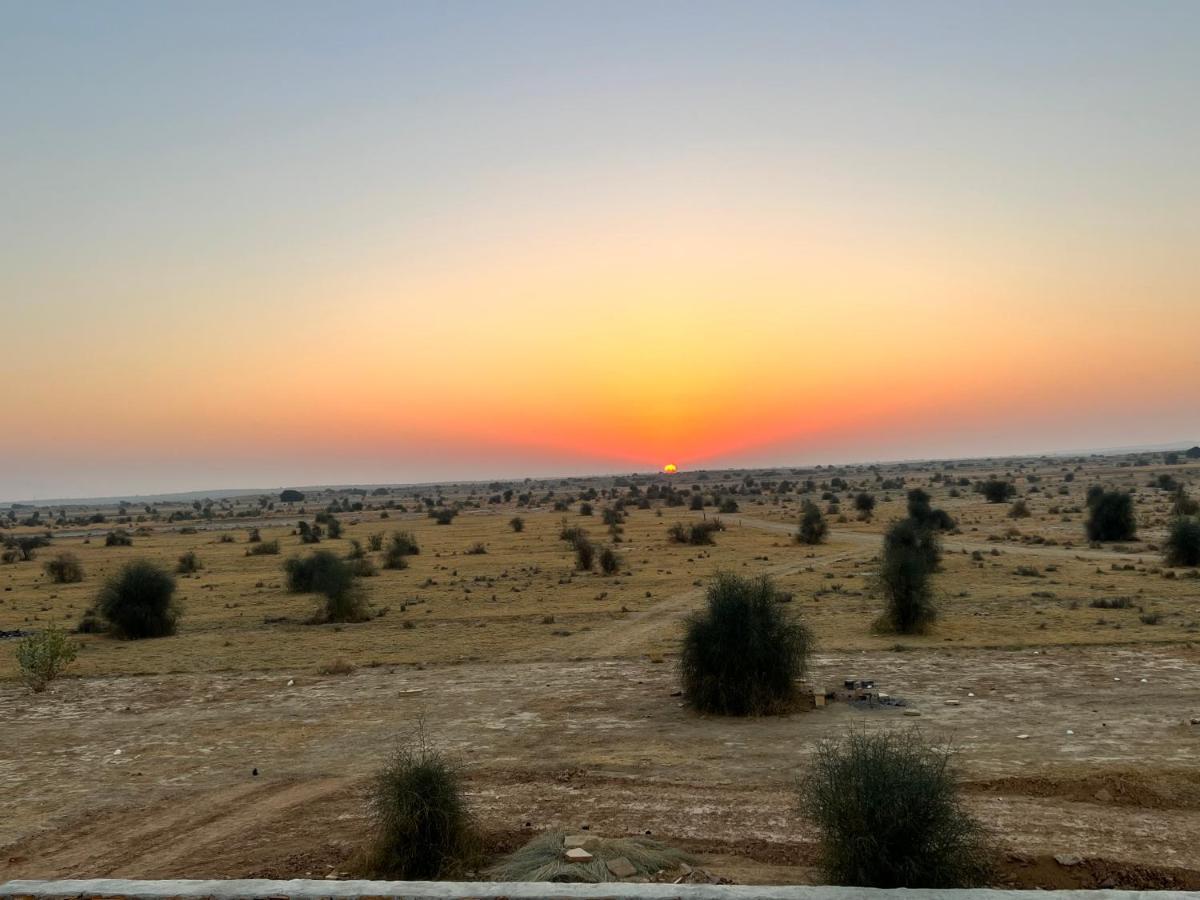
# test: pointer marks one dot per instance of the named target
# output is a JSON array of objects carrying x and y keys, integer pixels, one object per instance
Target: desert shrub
[
  {"x": 357, "y": 550},
  {"x": 325, "y": 573},
  {"x": 921, "y": 511},
  {"x": 375, "y": 542},
  {"x": 1150, "y": 618},
  {"x": 909, "y": 557},
  {"x": 253, "y": 537},
  {"x": 542, "y": 860},
  {"x": 696, "y": 534},
  {"x": 517, "y": 524},
  {"x": 333, "y": 527},
  {"x": 864, "y": 502},
  {"x": 997, "y": 490},
  {"x": 443, "y": 516},
  {"x": 263, "y": 548},
  {"x": 889, "y": 815},
  {"x": 139, "y": 601},
  {"x": 401, "y": 546},
  {"x": 585, "y": 554},
  {"x": 64, "y": 569},
  {"x": 362, "y": 567},
  {"x": 291, "y": 496},
  {"x": 742, "y": 654},
  {"x": 697, "y": 503},
  {"x": 1110, "y": 516},
  {"x": 1019, "y": 509},
  {"x": 1183, "y": 505},
  {"x": 24, "y": 548},
  {"x": 728, "y": 505},
  {"x": 1182, "y": 547},
  {"x": 479, "y": 548},
  {"x": 423, "y": 829},
  {"x": 188, "y": 563},
  {"x": 41, "y": 657},
  {"x": 813, "y": 527},
  {"x": 118, "y": 538},
  {"x": 585, "y": 509},
  {"x": 309, "y": 534},
  {"x": 1111, "y": 603},
  {"x": 610, "y": 563}
]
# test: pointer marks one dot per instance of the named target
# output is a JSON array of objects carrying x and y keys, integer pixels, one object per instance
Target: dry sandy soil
[{"x": 1072, "y": 726}]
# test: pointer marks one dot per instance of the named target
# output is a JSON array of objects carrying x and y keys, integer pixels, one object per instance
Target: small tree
[
  {"x": 423, "y": 827},
  {"x": 910, "y": 554},
  {"x": 610, "y": 563},
  {"x": 889, "y": 815},
  {"x": 1182, "y": 547},
  {"x": 139, "y": 601},
  {"x": 64, "y": 569},
  {"x": 997, "y": 490},
  {"x": 41, "y": 657},
  {"x": 813, "y": 528},
  {"x": 743, "y": 653},
  {"x": 864, "y": 503},
  {"x": 517, "y": 524},
  {"x": 1110, "y": 516}
]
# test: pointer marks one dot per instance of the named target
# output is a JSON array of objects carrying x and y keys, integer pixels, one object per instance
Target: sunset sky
[{"x": 264, "y": 244}]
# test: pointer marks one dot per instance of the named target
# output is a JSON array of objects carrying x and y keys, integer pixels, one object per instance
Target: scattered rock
[
  {"x": 578, "y": 855},
  {"x": 621, "y": 867},
  {"x": 912, "y": 712},
  {"x": 1104, "y": 795},
  {"x": 1065, "y": 859}
]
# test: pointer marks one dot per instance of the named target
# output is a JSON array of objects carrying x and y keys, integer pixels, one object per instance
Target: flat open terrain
[{"x": 557, "y": 689}]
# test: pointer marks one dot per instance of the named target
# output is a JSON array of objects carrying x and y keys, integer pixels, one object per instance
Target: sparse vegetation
[
  {"x": 909, "y": 557},
  {"x": 139, "y": 602},
  {"x": 813, "y": 527},
  {"x": 610, "y": 562},
  {"x": 188, "y": 563},
  {"x": 743, "y": 653},
  {"x": 324, "y": 572},
  {"x": 423, "y": 828},
  {"x": 1182, "y": 547},
  {"x": 541, "y": 860},
  {"x": 402, "y": 546},
  {"x": 696, "y": 534},
  {"x": 517, "y": 524},
  {"x": 65, "y": 568},
  {"x": 43, "y": 656},
  {"x": 889, "y": 815}
]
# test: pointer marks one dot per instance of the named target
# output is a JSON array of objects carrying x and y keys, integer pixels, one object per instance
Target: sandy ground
[{"x": 152, "y": 776}]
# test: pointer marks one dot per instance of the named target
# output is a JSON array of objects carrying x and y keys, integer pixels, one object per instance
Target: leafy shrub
[
  {"x": 813, "y": 527},
  {"x": 1111, "y": 603},
  {"x": 253, "y": 537},
  {"x": 443, "y": 516},
  {"x": 910, "y": 554},
  {"x": 423, "y": 827},
  {"x": 610, "y": 563},
  {"x": 585, "y": 509},
  {"x": 1110, "y": 516},
  {"x": 333, "y": 528},
  {"x": 325, "y": 573},
  {"x": 188, "y": 563},
  {"x": 1019, "y": 509},
  {"x": 728, "y": 505},
  {"x": 585, "y": 554},
  {"x": 118, "y": 538},
  {"x": 64, "y": 569},
  {"x": 1182, "y": 547},
  {"x": 864, "y": 502},
  {"x": 889, "y": 815},
  {"x": 375, "y": 542},
  {"x": 263, "y": 548},
  {"x": 41, "y": 657},
  {"x": 291, "y": 496},
  {"x": 1183, "y": 505},
  {"x": 696, "y": 534},
  {"x": 742, "y": 654},
  {"x": 997, "y": 490},
  {"x": 139, "y": 601},
  {"x": 479, "y": 548},
  {"x": 402, "y": 545},
  {"x": 921, "y": 511},
  {"x": 517, "y": 524}
]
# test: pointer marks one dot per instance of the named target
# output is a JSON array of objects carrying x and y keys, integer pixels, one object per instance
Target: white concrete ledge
[{"x": 479, "y": 890}]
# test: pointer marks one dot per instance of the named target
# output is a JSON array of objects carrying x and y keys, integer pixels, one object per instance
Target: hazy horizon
[{"x": 304, "y": 243}]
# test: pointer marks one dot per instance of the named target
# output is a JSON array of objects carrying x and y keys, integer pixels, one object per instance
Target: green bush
[
  {"x": 401, "y": 546},
  {"x": 888, "y": 814},
  {"x": 921, "y": 511},
  {"x": 423, "y": 828},
  {"x": 41, "y": 657},
  {"x": 139, "y": 601},
  {"x": 325, "y": 573},
  {"x": 742, "y": 654},
  {"x": 610, "y": 563},
  {"x": 64, "y": 569},
  {"x": 443, "y": 516},
  {"x": 585, "y": 554},
  {"x": 864, "y": 502},
  {"x": 263, "y": 548},
  {"x": 118, "y": 538},
  {"x": 910, "y": 554},
  {"x": 696, "y": 534},
  {"x": 517, "y": 524},
  {"x": 813, "y": 527},
  {"x": 996, "y": 490},
  {"x": 1110, "y": 516},
  {"x": 1182, "y": 547},
  {"x": 188, "y": 563}
]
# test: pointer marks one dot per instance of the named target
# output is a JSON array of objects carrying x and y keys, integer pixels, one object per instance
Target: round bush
[
  {"x": 1182, "y": 546},
  {"x": 1110, "y": 516},
  {"x": 64, "y": 569},
  {"x": 812, "y": 525},
  {"x": 423, "y": 828},
  {"x": 888, "y": 813},
  {"x": 743, "y": 653},
  {"x": 324, "y": 572},
  {"x": 139, "y": 601}
]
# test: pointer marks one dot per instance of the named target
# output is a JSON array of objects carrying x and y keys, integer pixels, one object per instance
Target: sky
[{"x": 263, "y": 244}]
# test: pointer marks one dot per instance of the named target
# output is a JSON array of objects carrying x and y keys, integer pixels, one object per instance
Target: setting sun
[{"x": 669, "y": 468}]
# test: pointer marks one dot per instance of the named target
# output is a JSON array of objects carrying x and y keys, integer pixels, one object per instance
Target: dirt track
[{"x": 601, "y": 741}]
